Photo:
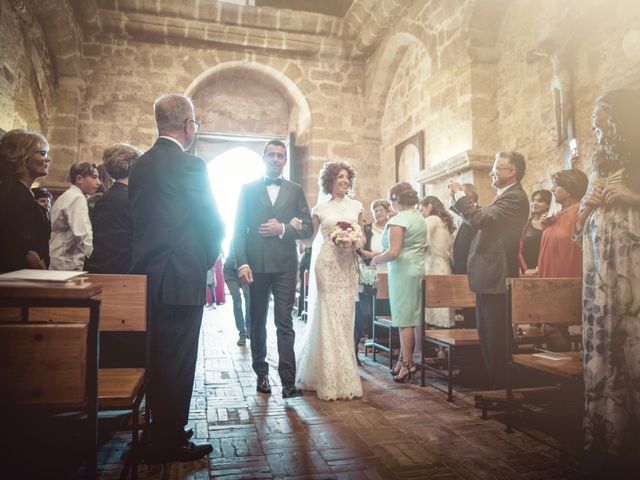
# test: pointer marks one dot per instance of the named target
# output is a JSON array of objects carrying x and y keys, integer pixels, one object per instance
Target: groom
[{"x": 265, "y": 249}]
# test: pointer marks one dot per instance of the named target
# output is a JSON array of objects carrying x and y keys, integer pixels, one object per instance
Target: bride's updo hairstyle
[
  {"x": 404, "y": 194},
  {"x": 330, "y": 172}
]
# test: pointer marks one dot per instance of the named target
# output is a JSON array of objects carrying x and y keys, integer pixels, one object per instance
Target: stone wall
[
  {"x": 25, "y": 70},
  {"x": 349, "y": 89},
  {"x": 592, "y": 60},
  {"x": 124, "y": 78}
]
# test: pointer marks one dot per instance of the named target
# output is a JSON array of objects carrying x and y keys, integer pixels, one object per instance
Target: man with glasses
[
  {"x": 272, "y": 214},
  {"x": 493, "y": 256},
  {"x": 177, "y": 234}
]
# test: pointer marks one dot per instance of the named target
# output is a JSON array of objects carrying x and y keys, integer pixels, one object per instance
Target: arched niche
[{"x": 250, "y": 98}]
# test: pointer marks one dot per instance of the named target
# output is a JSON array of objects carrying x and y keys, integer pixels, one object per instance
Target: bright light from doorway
[{"x": 227, "y": 173}]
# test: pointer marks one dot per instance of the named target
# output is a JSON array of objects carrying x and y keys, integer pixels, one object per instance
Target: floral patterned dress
[{"x": 611, "y": 330}]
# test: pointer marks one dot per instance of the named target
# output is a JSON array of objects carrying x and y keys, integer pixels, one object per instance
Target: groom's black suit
[{"x": 273, "y": 262}]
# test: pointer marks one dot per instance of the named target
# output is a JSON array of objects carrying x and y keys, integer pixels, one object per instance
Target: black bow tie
[{"x": 273, "y": 181}]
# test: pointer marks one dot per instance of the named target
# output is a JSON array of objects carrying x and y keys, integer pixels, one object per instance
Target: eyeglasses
[{"x": 196, "y": 125}]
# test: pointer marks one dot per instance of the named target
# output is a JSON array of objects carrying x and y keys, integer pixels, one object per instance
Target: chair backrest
[
  {"x": 545, "y": 300},
  {"x": 451, "y": 291},
  {"x": 124, "y": 305},
  {"x": 382, "y": 286},
  {"x": 43, "y": 364}
]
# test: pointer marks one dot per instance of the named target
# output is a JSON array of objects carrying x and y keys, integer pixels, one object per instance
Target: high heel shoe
[
  {"x": 396, "y": 370},
  {"x": 406, "y": 371}
]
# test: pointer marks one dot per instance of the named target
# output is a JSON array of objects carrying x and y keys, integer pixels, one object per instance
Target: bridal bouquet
[{"x": 347, "y": 235}]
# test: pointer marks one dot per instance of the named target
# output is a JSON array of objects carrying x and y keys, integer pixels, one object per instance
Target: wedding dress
[{"x": 326, "y": 361}]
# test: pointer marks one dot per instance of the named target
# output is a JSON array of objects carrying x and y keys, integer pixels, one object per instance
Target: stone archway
[
  {"x": 384, "y": 71},
  {"x": 265, "y": 81}
]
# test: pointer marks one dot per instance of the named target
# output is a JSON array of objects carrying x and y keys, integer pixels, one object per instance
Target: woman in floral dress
[{"x": 609, "y": 224}]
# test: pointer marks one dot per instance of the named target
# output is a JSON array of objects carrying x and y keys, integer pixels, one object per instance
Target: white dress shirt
[{"x": 71, "y": 234}]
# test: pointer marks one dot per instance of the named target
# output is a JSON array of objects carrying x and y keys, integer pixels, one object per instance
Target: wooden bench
[
  {"x": 124, "y": 301},
  {"x": 381, "y": 321},
  {"x": 446, "y": 291},
  {"x": 555, "y": 301}
]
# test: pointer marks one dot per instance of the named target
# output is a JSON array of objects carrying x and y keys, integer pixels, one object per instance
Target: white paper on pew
[
  {"x": 40, "y": 275},
  {"x": 552, "y": 356}
]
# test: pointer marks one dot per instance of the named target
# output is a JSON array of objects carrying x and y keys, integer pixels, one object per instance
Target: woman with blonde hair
[
  {"x": 24, "y": 226},
  {"x": 404, "y": 246}
]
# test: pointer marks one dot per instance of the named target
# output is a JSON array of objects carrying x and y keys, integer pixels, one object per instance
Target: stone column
[{"x": 63, "y": 132}]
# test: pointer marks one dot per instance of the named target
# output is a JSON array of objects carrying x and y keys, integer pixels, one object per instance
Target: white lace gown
[{"x": 326, "y": 358}]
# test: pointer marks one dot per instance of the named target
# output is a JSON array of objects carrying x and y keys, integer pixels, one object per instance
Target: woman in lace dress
[
  {"x": 326, "y": 362},
  {"x": 609, "y": 223},
  {"x": 440, "y": 228}
]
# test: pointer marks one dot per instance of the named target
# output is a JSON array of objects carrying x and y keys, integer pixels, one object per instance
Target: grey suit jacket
[
  {"x": 270, "y": 254},
  {"x": 177, "y": 230},
  {"x": 493, "y": 256}
]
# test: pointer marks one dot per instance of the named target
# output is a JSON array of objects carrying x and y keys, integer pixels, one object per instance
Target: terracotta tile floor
[{"x": 394, "y": 432}]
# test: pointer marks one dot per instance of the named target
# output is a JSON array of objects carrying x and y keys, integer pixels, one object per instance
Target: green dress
[{"x": 406, "y": 271}]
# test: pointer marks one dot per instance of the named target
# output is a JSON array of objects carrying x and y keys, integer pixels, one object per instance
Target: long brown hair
[{"x": 437, "y": 209}]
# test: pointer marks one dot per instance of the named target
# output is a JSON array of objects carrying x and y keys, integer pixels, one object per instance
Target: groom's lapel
[{"x": 283, "y": 196}]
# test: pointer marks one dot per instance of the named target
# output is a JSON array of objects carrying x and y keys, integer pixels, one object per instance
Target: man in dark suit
[
  {"x": 494, "y": 254},
  {"x": 177, "y": 233},
  {"x": 460, "y": 253},
  {"x": 111, "y": 217},
  {"x": 272, "y": 214}
]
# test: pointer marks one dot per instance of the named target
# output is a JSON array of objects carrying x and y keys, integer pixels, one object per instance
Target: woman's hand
[
  {"x": 593, "y": 199},
  {"x": 546, "y": 219},
  {"x": 531, "y": 272},
  {"x": 620, "y": 195},
  {"x": 34, "y": 260},
  {"x": 296, "y": 223}
]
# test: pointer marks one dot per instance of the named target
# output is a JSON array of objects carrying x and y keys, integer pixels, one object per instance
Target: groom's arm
[{"x": 302, "y": 212}]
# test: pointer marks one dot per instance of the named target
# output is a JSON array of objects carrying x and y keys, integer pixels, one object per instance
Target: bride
[{"x": 326, "y": 362}]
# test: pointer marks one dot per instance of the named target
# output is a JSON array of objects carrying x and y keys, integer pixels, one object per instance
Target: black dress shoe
[
  {"x": 188, "y": 452},
  {"x": 263, "y": 385},
  {"x": 290, "y": 391}
]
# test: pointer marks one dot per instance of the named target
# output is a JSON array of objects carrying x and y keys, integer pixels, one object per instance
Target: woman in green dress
[{"x": 403, "y": 242}]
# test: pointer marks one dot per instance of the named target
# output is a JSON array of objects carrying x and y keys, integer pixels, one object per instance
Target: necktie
[{"x": 273, "y": 181}]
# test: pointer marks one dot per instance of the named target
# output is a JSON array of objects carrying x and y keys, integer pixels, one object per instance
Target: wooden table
[{"x": 73, "y": 293}]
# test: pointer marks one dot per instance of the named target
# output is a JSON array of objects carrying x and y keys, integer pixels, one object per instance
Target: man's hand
[
  {"x": 272, "y": 228},
  {"x": 454, "y": 187},
  {"x": 34, "y": 260},
  {"x": 245, "y": 275}
]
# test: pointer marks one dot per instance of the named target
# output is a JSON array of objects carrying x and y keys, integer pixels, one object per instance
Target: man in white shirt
[{"x": 71, "y": 234}]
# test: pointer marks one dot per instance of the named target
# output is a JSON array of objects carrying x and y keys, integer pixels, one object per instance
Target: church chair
[
  {"x": 48, "y": 369},
  {"x": 555, "y": 301},
  {"x": 124, "y": 304},
  {"x": 381, "y": 320},
  {"x": 446, "y": 291}
]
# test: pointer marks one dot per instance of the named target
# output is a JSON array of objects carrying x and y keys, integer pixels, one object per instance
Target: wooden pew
[
  {"x": 124, "y": 301},
  {"x": 555, "y": 301},
  {"x": 448, "y": 291}
]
